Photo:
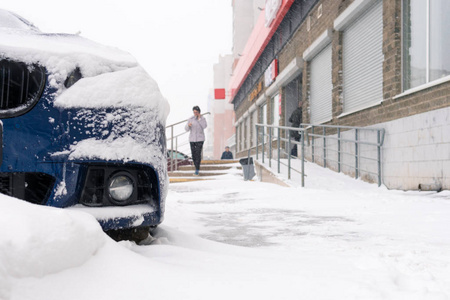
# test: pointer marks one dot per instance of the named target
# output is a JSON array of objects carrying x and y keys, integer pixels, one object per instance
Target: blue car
[{"x": 82, "y": 126}]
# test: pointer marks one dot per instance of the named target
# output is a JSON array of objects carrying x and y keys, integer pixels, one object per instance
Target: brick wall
[{"x": 430, "y": 102}]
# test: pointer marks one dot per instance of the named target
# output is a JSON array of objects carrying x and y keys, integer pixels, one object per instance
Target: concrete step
[
  {"x": 191, "y": 174},
  {"x": 218, "y": 162},
  {"x": 204, "y": 168},
  {"x": 179, "y": 179},
  {"x": 208, "y": 168}
]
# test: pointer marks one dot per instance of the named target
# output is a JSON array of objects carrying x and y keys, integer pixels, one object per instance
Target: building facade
[
  {"x": 245, "y": 16},
  {"x": 365, "y": 63}
]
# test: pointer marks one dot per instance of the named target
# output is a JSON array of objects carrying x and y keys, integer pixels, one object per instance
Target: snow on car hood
[
  {"x": 124, "y": 88},
  {"x": 111, "y": 77}
]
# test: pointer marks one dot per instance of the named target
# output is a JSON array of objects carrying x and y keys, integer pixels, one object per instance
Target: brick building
[{"x": 366, "y": 63}]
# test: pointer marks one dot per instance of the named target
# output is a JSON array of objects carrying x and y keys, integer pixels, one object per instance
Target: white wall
[{"x": 417, "y": 151}]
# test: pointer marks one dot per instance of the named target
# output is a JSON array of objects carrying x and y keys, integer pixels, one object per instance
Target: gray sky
[{"x": 176, "y": 41}]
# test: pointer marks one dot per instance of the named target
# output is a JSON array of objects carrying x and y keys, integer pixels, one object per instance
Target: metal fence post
[
  {"x": 324, "y": 148},
  {"x": 176, "y": 149},
  {"x": 312, "y": 143},
  {"x": 279, "y": 146},
  {"x": 356, "y": 154},
  {"x": 339, "y": 150},
  {"x": 262, "y": 144},
  {"x": 270, "y": 147},
  {"x": 171, "y": 149},
  {"x": 256, "y": 137},
  {"x": 379, "y": 157},
  {"x": 303, "y": 158},
  {"x": 289, "y": 154}
]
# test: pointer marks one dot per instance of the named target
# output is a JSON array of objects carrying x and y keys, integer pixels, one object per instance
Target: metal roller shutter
[
  {"x": 363, "y": 60},
  {"x": 321, "y": 87}
]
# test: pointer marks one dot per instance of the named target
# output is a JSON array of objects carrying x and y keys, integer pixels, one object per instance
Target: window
[
  {"x": 426, "y": 41},
  {"x": 362, "y": 51},
  {"x": 263, "y": 111},
  {"x": 321, "y": 87},
  {"x": 276, "y": 114},
  {"x": 21, "y": 87},
  {"x": 248, "y": 133},
  {"x": 254, "y": 119},
  {"x": 241, "y": 136}
]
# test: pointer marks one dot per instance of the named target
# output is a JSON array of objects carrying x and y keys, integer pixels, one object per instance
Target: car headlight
[{"x": 120, "y": 188}]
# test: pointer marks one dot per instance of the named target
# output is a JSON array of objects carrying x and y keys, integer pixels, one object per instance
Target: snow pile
[
  {"x": 120, "y": 149},
  {"x": 131, "y": 87},
  {"x": 36, "y": 241},
  {"x": 60, "y": 54},
  {"x": 345, "y": 240}
]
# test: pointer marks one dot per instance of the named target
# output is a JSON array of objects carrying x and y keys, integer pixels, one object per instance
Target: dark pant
[
  {"x": 294, "y": 151},
  {"x": 196, "y": 150}
]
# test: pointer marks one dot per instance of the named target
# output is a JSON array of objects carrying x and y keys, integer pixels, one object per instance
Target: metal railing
[
  {"x": 356, "y": 138},
  {"x": 343, "y": 141},
  {"x": 174, "y": 139},
  {"x": 260, "y": 143}
]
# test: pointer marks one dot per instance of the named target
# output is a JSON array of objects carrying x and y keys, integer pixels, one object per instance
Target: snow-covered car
[
  {"x": 175, "y": 159},
  {"x": 82, "y": 127}
]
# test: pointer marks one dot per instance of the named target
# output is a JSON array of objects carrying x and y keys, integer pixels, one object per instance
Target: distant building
[
  {"x": 378, "y": 63},
  {"x": 245, "y": 16}
]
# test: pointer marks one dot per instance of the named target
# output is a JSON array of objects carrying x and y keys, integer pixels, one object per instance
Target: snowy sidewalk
[
  {"x": 227, "y": 238},
  {"x": 337, "y": 238}
]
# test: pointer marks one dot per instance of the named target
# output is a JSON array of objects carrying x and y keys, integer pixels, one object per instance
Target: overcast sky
[{"x": 176, "y": 41}]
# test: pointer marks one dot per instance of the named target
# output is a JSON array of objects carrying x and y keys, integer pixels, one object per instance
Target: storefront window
[
  {"x": 439, "y": 39},
  {"x": 254, "y": 119},
  {"x": 275, "y": 113},
  {"x": 264, "y": 119},
  {"x": 247, "y": 133},
  {"x": 426, "y": 41}
]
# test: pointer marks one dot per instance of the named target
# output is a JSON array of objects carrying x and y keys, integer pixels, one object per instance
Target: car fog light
[{"x": 121, "y": 188}]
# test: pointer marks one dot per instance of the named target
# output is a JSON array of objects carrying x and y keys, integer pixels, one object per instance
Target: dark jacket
[
  {"x": 227, "y": 155},
  {"x": 296, "y": 120}
]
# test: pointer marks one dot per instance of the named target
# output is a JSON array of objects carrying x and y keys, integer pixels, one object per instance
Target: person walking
[
  {"x": 227, "y": 154},
  {"x": 296, "y": 120},
  {"x": 196, "y": 124}
]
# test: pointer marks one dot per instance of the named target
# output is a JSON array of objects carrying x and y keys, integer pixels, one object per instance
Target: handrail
[
  {"x": 171, "y": 125},
  {"x": 172, "y": 138},
  {"x": 288, "y": 140},
  {"x": 309, "y": 126},
  {"x": 310, "y": 138}
]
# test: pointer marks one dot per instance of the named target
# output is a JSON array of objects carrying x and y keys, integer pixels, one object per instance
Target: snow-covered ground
[{"x": 227, "y": 238}]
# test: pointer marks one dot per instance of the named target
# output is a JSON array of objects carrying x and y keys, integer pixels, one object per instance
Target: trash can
[{"x": 247, "y": 168}]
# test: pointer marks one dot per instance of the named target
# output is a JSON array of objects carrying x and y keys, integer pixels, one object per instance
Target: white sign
[
  {"x": 271, "y": 73},
  {"x": 272, "y": 7}
]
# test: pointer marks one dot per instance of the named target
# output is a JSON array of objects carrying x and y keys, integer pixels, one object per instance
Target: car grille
[
  {"x": 21, "y": 87},
  {"x": 31, "y": 187}
]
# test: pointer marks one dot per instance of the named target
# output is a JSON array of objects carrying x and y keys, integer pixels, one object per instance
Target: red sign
[{"x": 219, "y": 94}]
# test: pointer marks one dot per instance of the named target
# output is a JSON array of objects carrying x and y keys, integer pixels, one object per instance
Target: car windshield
[{"x": 11, "y": 20}]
